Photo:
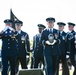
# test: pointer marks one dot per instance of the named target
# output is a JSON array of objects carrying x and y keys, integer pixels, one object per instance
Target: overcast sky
[{"x": 33, "y": 12}]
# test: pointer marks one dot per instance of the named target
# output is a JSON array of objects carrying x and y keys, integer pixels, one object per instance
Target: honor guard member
[
  {"x": 9, "y": 52},
  {"x": 63, "y": 50},
  {"x": 50, "y": 40},
  {"x": 71, "y": 44},
  {"x": 75, "y": 55},
  {"x": 23, "y": 44},
  {"x": 38, "y": 47}
]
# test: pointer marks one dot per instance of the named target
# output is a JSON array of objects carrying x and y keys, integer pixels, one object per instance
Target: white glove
[
  {"x": 53, "y": 42},
  {"x": 5, "y": 28},
  {"x": 27, "y": 56},
  {"x": 48, "y": 43},
  {"x": 67, "y": 56},
  {"x": 11, "y": 28}
]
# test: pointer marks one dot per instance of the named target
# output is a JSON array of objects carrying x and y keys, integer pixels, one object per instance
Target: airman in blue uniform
[
  {"x": 71, "y": 45},
  {"x": 38, "y": 47},
  {"x": 23, "y": 44},
  {"x": 62, "y": 46},
  {"x": 9, "y": 51},
  {"x": 50, "y": 40}
]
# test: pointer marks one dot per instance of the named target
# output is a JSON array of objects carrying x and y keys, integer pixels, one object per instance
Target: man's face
[
  {"x": 8, "y": 24},
  {"x": 40, "y": 30},
  {"x": 50, "y": 24},
  {"x": 60, "y": 28},
  {"x": 18, "y": 27},
  {"x": 70, "y": 27}
]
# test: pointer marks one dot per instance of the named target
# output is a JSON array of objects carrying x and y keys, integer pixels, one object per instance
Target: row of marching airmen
[{"x": 50, "y": 47}]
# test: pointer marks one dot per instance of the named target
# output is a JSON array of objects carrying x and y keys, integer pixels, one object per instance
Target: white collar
[
  {"x": 50, "y": 29},
  {"x": 19, "y": 32},
  {"x": 61, "y": 32},
  {"x": 69, "y": 31}
]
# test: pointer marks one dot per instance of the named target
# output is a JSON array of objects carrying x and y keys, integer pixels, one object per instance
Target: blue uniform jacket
[
  {"x": 8, "y": 43},
  {"x": 50, "y": 50},
  {"x": 70, "y": 42},
  {"x": 37, "y": 46},
  {"x": 23, "y": 46},
  {"x": 62, "y": 45}
]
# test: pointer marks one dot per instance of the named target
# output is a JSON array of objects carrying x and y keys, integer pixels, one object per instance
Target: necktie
[
  {"x": 39, "y": 37},
  {"x": 50, "y": 30},
  {"x": 60, "y": 34}
]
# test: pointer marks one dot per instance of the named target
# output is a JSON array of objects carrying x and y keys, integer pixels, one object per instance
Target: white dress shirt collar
[
  {"x": 50, "y": 29},
  {"x": 61, "y": 32},
  {"x": 19, "y": 32}
]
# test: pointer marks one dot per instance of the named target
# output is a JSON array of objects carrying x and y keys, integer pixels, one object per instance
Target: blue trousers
[
  {"x": 51, "y": 64},
  {"x": 5, "y": 60}
]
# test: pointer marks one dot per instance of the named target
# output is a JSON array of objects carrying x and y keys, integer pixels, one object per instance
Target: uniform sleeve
[
  {"x": 33, "y": 43},
  {"x": 27, "y": 43},
  {"x": 1, "y": 35},
  {"x": 57, "y": 37},
  {"x": 65, "y": 42},
  {"x": 68, "y": 45},
  {"x": 58, "y": 41},
  {"x": 42, "y": 41}
]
